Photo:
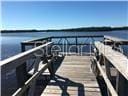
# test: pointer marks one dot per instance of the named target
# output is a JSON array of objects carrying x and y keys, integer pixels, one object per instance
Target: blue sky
[{"x": 57, "y": 15}]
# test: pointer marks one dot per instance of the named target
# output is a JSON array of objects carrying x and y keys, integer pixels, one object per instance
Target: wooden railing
[
  {"x": 106, "y": 56},
  {"x": 48, "y": 39},
  {"x": 64, "y": 40},
  {"x": 114, "y": 40},
  {"x": 19, "y": 61}
]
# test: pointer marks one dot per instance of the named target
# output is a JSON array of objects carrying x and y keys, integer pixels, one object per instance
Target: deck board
[{"x": 73, "y": 78}]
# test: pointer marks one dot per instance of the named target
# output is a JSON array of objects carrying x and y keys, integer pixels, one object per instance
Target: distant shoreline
[{"x": 81, "y": 29}]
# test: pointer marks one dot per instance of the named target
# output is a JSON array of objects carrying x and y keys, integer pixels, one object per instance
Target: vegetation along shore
[{"x": 81, "y": 29}]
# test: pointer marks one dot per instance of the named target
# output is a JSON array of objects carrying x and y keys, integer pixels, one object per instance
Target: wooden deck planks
[{"x": 73, "y": 78}]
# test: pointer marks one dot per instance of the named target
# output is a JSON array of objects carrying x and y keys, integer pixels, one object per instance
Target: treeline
[
  {"x": 91, "y": 29},
  {"x": 15, "y": 31},
  {"x": 81, "y": 29}
]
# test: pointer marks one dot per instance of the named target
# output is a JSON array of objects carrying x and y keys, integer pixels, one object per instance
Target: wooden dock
[
  {"x": 73, "y": 78},
  {"x": 75, "y": 75}
]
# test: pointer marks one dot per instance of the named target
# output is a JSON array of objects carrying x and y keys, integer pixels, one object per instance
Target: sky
[{"x": 64, "y": 14}]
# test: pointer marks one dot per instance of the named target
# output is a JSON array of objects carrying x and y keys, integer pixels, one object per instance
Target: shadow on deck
[
  {"x": 64, "y": 83},
  {"x": 43, "y": 81}
]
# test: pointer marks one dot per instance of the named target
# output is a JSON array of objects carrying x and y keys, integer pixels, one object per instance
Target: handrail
[
  {"x": 106, "y": 79},
  {"x": 17, "y": 60},
  {"x": 118, "y": 61},
  {"x": 77, "y": 36},
  {"x": 116, "y": 58},
  {"x": 55, "y": 37},
  {"x": 37, "y": 39},
  {"x": 115, "y": 40},
  {"x": 29, "y": 82}
]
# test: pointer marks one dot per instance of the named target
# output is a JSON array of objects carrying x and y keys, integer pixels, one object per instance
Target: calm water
[{"x": 11, "y": 41}]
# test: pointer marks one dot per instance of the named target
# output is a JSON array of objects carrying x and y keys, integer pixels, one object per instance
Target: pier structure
[{"x": 73, "y": 65}]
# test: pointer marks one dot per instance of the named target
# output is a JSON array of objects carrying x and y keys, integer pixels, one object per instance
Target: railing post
[
  {"x": 21, "y": 72},
  {"x": 108, "y": 73},
  {"x": 94, "y": 65},
  {"x": 121, "y": 85},
  {"x": 50, "y": 39},
  {"x": 51, "y": 67},
  {"x": 36, "y": 66},
  {"x": 76, "y": 45}
]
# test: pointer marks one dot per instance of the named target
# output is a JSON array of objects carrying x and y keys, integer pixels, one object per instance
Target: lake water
[{"x": 10, "y": 42}]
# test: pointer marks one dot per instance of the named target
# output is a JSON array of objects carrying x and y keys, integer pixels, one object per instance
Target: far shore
[{"x": 81, "y": 29}]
